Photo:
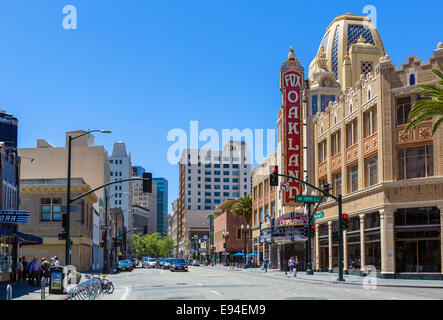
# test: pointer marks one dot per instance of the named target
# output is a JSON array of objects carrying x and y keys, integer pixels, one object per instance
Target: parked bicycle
[{"x": 106, "y": 285}]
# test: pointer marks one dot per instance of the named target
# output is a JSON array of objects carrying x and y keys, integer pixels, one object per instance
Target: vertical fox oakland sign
[{"x": 291, "y": 86}]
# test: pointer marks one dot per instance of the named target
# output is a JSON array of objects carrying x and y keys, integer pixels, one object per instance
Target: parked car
[
  {"x": 196, "y": 263},
  {"x": 124, "y": 265},
  {"x": 166, "y": 264},
  {"x": 178, "y": 264},
  {"x": 145, "y": 262},
  {"x": 134, "y": 262},
  {"x": 160, "y": 262},
  {"x": 150, "y": 263}
]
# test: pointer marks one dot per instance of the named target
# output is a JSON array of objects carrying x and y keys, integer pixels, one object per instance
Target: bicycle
[{"x": 107, "y": 286}]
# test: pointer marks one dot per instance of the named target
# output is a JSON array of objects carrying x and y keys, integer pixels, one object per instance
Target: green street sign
[
  {"x": 319, "y": 215},
  {"x": 307, "y": 198}
]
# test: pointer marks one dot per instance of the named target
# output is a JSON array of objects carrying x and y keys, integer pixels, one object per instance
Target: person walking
[
  {"x": 35, "y": 269},
  {"x": 296, "y": 262},
  {"x": 45, "y": 270},
  {"x": 19, "y": 270},
  {"x": 265, "y": 264}
]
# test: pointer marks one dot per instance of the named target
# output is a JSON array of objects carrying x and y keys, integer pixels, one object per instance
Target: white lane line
[
  {"x": 217, "y": 293},
  {"x": 125, "y": 295},
  {"x": 200, "y": 284}
]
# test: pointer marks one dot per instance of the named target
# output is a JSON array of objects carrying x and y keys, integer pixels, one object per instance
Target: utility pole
[
  {"x": 68, "y": 208},
  {"x": 308, "y": 249}
]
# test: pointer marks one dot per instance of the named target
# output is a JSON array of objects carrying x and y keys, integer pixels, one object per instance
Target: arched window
[{"x": 412, "y": 80}]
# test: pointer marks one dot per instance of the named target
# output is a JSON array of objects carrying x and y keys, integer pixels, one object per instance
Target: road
[{"x": 206, "y": 283}]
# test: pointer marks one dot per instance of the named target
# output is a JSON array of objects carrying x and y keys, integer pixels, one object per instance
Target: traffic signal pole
[
  {"x": 339, "y": 201},
  {"x": 308, "y": 249}
]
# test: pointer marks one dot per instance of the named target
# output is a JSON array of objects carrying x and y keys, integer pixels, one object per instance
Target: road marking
[
  {"x": 217, "y": 293},
  {"x": 125, "y": 295},
  {"x": 200, "y": 284}
]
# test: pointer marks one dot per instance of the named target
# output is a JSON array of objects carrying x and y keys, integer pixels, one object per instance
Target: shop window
[
  {"x": 372, "y": 220},
  {"x": 50, "y": 209},
  {"x": 416, "y": 162},
  {"x": 417, "y": 216}
]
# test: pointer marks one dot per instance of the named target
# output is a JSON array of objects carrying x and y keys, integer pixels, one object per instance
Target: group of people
[
  {"x": 293, "y": 265},
  {"x": 34, "y": 271}
]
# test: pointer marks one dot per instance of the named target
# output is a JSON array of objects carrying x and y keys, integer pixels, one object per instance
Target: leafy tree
[
  {"x": 425, "y": 109},
  {"x": 152, "y": 245},
  {"x": 243, "y": 207}
]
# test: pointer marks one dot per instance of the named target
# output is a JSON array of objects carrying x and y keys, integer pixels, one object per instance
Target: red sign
[{"x": 291, "y": 86}]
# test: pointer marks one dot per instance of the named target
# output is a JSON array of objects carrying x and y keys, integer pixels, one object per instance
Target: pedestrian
[
  {"x": 19, "y": 270},
  {"x": 25, "y": 268},
  {"x": 35, "y": 269},
  {"x": 296, "y": 262},
  {"x": 291, "y": 264},
  {"x": 265, "y": 264},
  {"x": 45, "y": 270},
  {"x": 56, "y": 262},
  {"x": 52, "y": 262}
]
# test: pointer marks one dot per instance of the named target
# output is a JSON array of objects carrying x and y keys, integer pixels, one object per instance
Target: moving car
[
  {"x": 178, "y": 264},
  {"x": 166, "y": 264},
  {"x": 124, "y": 265},
  {"x": 195, "y": 263}
]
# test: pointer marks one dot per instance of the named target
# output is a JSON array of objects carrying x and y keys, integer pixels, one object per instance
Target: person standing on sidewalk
[
  {"x": 296, "y": 262},
  {"x": 265, "y": 264},
  {"x": 56, "y": 262},
  {"x": 45, "y": 270},
  {"x": 35, "y": 268},
  {"x": 25, "y": 268},
  {"x": 19, "y": 270},
  {"x": 291, "y": 264}
]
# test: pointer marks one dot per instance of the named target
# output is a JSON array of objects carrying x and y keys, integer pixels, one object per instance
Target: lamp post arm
[
  {"x": 105, "y": 185},
  {"x": 85, "y": 133}
]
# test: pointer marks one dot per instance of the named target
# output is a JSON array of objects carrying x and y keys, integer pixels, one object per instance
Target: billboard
[{"x": 291, "y": 86}]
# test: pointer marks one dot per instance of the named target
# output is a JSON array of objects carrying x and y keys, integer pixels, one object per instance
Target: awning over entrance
[
  {"x": 27, "y": 239},
  {"x": 5, "y": 231}
]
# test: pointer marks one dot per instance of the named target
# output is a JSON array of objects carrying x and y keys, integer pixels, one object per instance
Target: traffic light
[
  {"x": 62, "y": 236},
  {"x": 345, "y": 221},
  {"x": 102, "y": 243},
  {"x": 326, "y": 187},
  {"x": 274, "y": 176},
  {"x": 147, "y": 184},
  {"x": 312, "y": 231}
]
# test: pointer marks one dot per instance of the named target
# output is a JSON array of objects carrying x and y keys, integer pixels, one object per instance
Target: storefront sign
[
  {"x": 288, "y": 227},
  {"x": 291, "y": 86},
  {"x": 14, "y": 216},
  {"x": 267, "y": 223},
  {"x": 292, "y": 219}
]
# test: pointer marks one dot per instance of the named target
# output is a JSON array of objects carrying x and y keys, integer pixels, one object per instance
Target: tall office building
[
  {"x": 162, "y": 205},
  {"x": 145, "y": 200},
  {"x": 120, "y": 194}
]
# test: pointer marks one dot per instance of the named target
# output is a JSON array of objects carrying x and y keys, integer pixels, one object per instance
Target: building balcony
[
  {"x": 370, "y": 144},
  {"x": 419, "y": 135}
]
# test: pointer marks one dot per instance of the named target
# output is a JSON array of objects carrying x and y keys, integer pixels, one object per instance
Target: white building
[
  {"x": 120, "y": 194},
  {"x": 211, "y": 177}
]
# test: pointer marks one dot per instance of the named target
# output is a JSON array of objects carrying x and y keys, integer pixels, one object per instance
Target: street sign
[
  {"x": 319, "y": 215},
  {"x": 14, "y": 216},
  {"x": 284, "y": 187},
  {"x": 307, "y": 198}
]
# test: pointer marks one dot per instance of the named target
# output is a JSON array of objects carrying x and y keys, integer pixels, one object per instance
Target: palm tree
[
  {"x": 243, "y": 207},
  {"x": 427, "y": 108}
]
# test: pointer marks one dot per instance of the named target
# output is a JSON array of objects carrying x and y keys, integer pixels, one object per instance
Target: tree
[
  {"x": 152, "y": 245},
  {"x": 425, "y": 109},
  {"x": 243, "y": 207}
]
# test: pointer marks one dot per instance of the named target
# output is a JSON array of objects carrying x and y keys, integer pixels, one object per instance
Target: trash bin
[{"x": 56, "y": 277}]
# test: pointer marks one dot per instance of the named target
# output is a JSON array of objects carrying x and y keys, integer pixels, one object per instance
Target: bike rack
[
  {"x": 8, "y": 292},
  {"x": 88, "y": 290}
]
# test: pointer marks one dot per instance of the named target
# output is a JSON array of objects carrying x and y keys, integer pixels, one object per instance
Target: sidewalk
[
  {"x": 23, "y": 291},
  {"x": 326, "y": 277}
]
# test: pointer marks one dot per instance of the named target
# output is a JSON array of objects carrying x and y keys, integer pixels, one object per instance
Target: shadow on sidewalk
[{"x": 22, "y": 291}]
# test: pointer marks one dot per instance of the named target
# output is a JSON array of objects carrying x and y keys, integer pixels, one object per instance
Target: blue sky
[{"x": 142, "y": 68}]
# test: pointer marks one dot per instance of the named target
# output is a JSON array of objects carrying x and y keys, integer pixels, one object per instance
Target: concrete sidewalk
[
  {"x": 326, "y": 277},
  {"x": 23, "y": 291}
]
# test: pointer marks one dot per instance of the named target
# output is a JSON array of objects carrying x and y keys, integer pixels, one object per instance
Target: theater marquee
[{"x": 291, "y": 86}]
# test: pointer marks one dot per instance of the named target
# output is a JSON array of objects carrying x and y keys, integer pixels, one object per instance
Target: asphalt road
[{"x": 205, "y": 283}]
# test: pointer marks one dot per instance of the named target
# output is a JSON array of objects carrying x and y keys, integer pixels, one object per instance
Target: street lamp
[
  {"x": 68, "y": 199},
  {"x": 245, "y": 231}
]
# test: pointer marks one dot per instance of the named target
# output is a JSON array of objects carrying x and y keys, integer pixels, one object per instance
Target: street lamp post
[
  {"x": 68, "y": 196},
  {"x": 245, "y": 232}
]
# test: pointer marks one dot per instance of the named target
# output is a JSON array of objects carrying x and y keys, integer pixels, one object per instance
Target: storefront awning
[
  {"x": 27, "y": 239},
  {"x": 5, "y": 231}
]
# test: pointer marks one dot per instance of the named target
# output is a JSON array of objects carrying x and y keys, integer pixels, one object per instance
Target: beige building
[
  {"x": 44, "y": 199},
  {"x": 147, "y": 201},
  {"x": 173, "y": 226},
  {"x": 357, "y": 106},
  {"x": 264, "y": 203}
]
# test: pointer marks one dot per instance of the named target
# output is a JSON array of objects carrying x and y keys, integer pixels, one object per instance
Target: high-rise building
[
  {"x": 120, "y": 194},
  {"x": 208, "y": 178},
  {"x": 144, "y": 199},
  {"x": 162, "y": 205}
]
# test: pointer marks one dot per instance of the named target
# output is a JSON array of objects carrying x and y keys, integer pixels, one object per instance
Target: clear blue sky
[{"x": 141, "y": 68}]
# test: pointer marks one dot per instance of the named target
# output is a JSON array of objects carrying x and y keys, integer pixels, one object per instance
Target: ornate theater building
[{"x": 355, "y": 106}]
